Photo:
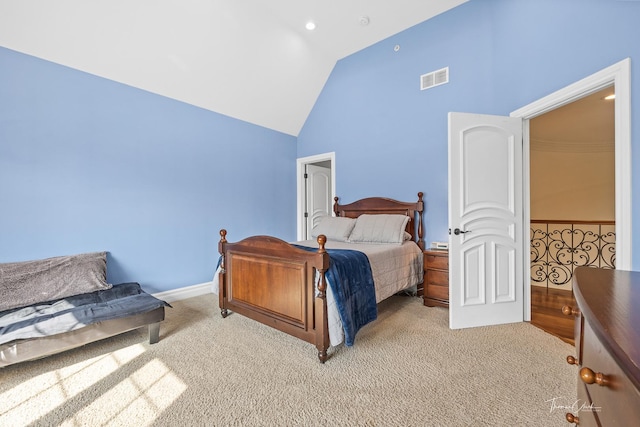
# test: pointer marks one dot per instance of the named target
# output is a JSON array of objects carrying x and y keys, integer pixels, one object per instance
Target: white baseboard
[{"x": 184, "y": 293}]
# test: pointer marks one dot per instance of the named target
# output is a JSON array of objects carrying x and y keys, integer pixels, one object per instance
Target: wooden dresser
[
  {"x": 607, "y": 338},
  {"x": 436, "y": 278}
]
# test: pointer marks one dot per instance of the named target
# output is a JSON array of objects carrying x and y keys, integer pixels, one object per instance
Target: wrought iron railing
[{"x": 558, "y": 247}]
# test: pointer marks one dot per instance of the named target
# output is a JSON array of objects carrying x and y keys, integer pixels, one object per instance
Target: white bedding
[{"x": 394, "y": 268}]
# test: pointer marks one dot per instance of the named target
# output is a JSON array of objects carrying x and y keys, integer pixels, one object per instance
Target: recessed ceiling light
[
  {"x": 310, "y": 26},
  {"x": 609, "y": 97},
  {"x": 364, "y": 20}
]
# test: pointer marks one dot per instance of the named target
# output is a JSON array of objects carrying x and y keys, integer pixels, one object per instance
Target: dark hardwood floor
[{"x": 546, "y": 311}]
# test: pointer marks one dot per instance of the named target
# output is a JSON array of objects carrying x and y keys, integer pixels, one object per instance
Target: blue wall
[
  {"x": 87, "y": 164},
  {"x": 390, "y": 138}
]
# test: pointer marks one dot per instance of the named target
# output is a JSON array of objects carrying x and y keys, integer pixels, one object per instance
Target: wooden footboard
[{"x": 275, "y": 283}]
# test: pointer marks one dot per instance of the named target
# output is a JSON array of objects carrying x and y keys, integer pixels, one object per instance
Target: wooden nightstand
[{"x": 436, "y": 278}]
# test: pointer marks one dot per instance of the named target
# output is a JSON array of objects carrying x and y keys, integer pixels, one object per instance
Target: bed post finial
[
  {"x": 223, "y": 240},
  {"x": 322, "y": 239},
  {"x": 335, "y": 206}
]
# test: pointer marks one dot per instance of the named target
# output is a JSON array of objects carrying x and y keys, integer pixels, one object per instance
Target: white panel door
[
  {"x": 318, "y": 195},
  {"x": 486, "y": 220}
]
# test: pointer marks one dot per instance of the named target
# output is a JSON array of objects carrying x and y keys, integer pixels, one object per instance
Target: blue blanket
[{"x": 351, "y": 282}]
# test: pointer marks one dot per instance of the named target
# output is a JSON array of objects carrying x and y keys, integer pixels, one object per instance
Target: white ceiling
[{"x": 249, "y": 59}]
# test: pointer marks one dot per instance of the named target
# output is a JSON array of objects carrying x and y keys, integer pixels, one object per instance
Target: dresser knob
[
  {"x": 570, "y": 311},
  {"x": 590, "y": 377},
  {"x": 572, "y": 418},
  {"x": 572, "y": 360}
]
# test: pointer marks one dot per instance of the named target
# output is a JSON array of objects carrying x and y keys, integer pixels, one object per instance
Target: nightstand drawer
[
  {"x": 437, "y": 285},
  {"x": 434, "y": 261},
  {"x": 437, "y": 278}
]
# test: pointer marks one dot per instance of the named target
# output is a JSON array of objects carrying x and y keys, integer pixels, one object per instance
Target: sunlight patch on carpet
[
  {"x": 32, "y": 400},
  {"x": 137, "y": 400}
]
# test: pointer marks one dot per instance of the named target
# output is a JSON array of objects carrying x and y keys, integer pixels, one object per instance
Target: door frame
[
  {"x": 618, "y": 75},
  {"x": 301, "y": 188}
]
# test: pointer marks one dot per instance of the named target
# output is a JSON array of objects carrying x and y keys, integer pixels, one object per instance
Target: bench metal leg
[{"x": 154, "y": 333}]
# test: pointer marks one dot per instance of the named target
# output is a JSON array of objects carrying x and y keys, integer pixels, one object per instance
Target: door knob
[{"x": 458, "y": 231}]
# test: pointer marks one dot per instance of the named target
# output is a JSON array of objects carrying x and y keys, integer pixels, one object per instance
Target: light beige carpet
[{"x": 406, "y": 369}]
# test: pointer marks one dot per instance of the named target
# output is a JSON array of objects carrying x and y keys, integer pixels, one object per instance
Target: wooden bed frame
[{"x": 273, "y": 282}]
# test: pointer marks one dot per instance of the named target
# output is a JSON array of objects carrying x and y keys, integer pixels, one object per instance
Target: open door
[
  {"x": 318, "y": 194},
  {"x": 486, "y": 220},
  {"x": 316, "y": 188}
]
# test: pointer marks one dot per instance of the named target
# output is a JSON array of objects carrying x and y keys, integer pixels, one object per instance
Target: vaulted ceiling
[{"x": 253, "y": 60}]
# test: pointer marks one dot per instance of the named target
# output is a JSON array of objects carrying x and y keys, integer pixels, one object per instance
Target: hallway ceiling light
[
  {"x": 610, "y": 97},
  {"x": 310, "y": 26}
]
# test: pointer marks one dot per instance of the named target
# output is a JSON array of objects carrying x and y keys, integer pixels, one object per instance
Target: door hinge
[
  {"x": 306, "y": 176},
  {"x": 306, "y": 214}
]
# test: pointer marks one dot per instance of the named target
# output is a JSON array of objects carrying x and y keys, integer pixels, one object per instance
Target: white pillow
[
  {"x": 335, "y": 228},
  {"x": 381, "y": 228}
]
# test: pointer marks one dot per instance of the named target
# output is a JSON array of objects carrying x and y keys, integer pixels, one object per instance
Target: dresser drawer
[
  {"x": 578, "y": 328},
  {"x": 584, "y": 409},
  {"x": 436, "y": 261},
  {"x": 617, "y": 400}
]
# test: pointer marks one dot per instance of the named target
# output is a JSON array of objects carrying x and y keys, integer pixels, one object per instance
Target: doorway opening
[
  {"x": 615, "y": 77},
  {"x": 316, "y": 190},
  {"x": 572, "y": 202}
]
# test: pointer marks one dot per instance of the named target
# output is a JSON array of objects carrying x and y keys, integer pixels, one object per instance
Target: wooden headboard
[{"x": 381, "y": 205}]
